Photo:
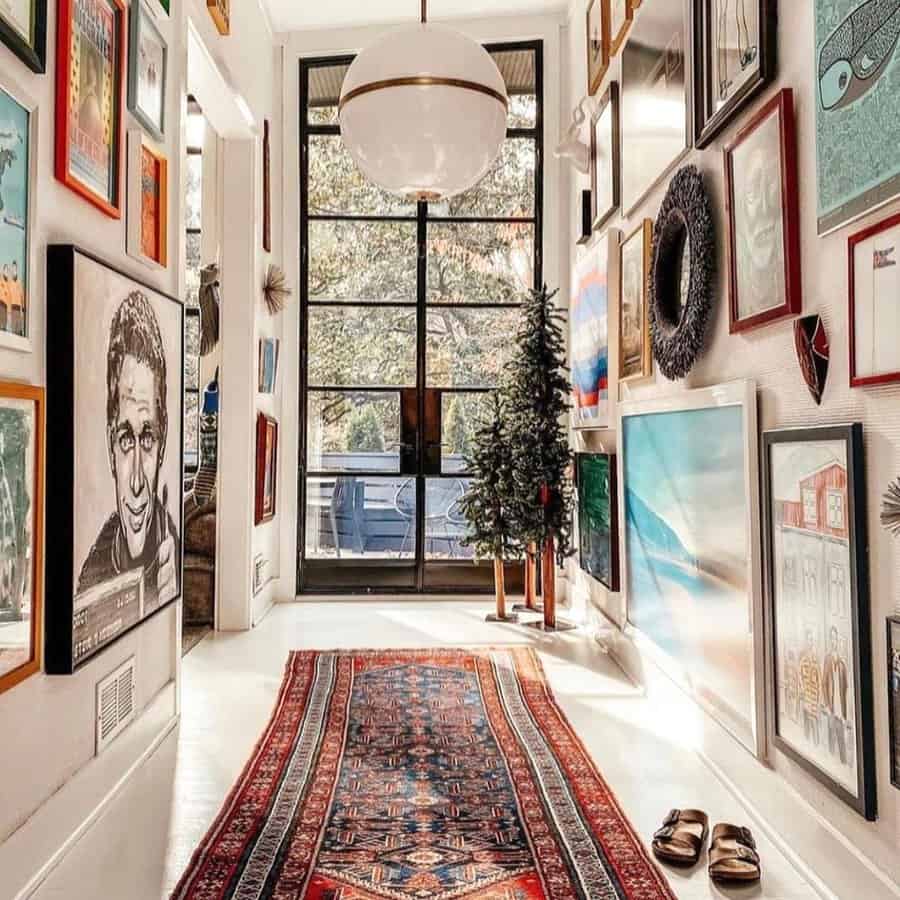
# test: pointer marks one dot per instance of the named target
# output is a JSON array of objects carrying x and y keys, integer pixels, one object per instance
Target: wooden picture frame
[
  {"x": 141, "y": 19},
  {"x": 611, "y": 579},
  {"x": 220, "y": 10},
  {"x": 617, "y": 36},
  {"x": 712, "y": 111},
  {"x": 827, "y": 598},
  {"x": 266, "y": 468},
  {"x": 32, "y": 664},
  {"x": 893, "y": 683},
  {"x": 636, "y": 365},
  {"x": 597, "y": 33},
  {"x": 31, "y": 49},
  {"x": 267, "y": 188},
  {"x": 605, "y": 117},
  {"x": 147, "y": 234},
  {"x": 885, "y": 263},
  {"x": 756, "y": 256},
  {"x": 71, "y": 168}
]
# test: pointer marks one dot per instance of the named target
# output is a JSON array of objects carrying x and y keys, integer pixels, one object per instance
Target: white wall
[{"x": 843, "y": 848}]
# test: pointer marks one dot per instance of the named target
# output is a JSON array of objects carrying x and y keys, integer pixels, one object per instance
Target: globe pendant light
[{"x": 423, "y": 111}]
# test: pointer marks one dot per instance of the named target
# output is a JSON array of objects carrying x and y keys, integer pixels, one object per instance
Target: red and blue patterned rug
[{"x": 420, "y": 775}]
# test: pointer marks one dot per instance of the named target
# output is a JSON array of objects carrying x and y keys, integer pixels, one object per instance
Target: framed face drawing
[
  {"x": 597, "y": 43},
  {"x": 875, "y": 304},
  {"x": 893, "y": 658},
  {"x": 23, "y": 28},
  {"x": 89, "y": 87},
  {"x": 148, "y": 63},
  {"x": 266, "y": 468},
  {"x": 734, "y": 59},
  {"x": 605, "y": 157},
  {"x": 114, "y": 516},
  {"x": 21, "y": 522},
  {"x": 818, "y": 604},
  {"x": 635, "y": 357},
  {"x": 764, "y": 218},
  {"x": 148, "y": 203}
]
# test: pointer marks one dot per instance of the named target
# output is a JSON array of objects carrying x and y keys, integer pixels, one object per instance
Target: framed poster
[
  {"x": 148, "y": 203},
  {"x": 589, "y": 323},
  {"x": 857, "y": 126},
  {"x": 655, "y": 75},
  {"x": 692, "y": 570},
  {"x": 18, "y": 180},
  {"x": 114, "y": 474},
  {"x": 605, "y": 152},
  {"x": 266, "y": 468},
  {"x": 635, "y": 355},
  {"x": 89, "y": 86},
  {"x": 734, "y": 59},
  {"x": 148, "y": 64},
  {"x": 598, "y": 517},
  {"x": 893, "y": 659},
  {"x": 21, "y": 522},
  {"x": 597, "y": 43},
  {"x": 268, "y": 364},
  {"x": 764, "y": 218},
  {"x": 220, "y": 10},
  {"x": 817, "y": 597},
  {"x": 875, "y": 304},
  {"x": 23, "y": 28}
]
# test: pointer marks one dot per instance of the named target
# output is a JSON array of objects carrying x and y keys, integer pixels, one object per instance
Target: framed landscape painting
[
  {"x": 266, "y": 468},
  {"x": 23, "y": 28},
  {"x": 598, "y": 517},
  {"x": 635, "y": 354},
  {"x": 893, "y": 658},
  {"x": 817, "y": 596},
  {"x": 148, "y": 64},
  {"x": 115, "y": 432}
]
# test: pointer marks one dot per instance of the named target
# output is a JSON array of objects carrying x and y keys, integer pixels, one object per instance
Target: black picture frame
[
  {"x": 709, "y": 121},
  {"x": 613, "y": 582},
  {"x": 609, "y": 100},
  {"x": 60, "y": 586},
  {"x": 585, "y": 224},
  {"x": 865, "y": 801},
  {"x": 141, "y": 18},
  {"x": 893, "y": 647},
  {"x": 34, "y": 55}
]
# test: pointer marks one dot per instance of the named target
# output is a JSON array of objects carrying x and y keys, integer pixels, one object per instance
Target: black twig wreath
[{"x": 678, "y": 329}]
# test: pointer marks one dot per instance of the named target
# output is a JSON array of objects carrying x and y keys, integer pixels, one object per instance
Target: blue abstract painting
[{"x": 589, "y": 318}]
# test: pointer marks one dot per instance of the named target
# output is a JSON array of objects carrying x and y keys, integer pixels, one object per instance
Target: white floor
[{"x": 140, "y": 846}]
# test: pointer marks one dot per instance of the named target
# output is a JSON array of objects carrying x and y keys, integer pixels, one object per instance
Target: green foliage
[
  {"x": 364, "y": 431},
  {"x": 458, "y": 433}
]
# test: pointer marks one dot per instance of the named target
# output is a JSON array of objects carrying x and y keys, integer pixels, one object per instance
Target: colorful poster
[
  {"x": 151, "y": 205},
  {"x": 15, "y": 123},
  {"x": 589, "y": 317}
]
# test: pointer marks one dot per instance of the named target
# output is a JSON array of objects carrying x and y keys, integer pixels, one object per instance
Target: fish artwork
[
  {"x": 858, "y": 52},
  {"x": 813, "y": 353}
]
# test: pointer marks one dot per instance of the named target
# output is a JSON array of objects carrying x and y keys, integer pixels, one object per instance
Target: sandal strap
[
  {"x": 725, "y": 832},
  {"x": 676, "y": 829},
  {"x": 740, "y": 853}
]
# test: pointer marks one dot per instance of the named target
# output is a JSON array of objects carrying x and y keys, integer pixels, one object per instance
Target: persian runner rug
[{"x": 420, "y": 775}]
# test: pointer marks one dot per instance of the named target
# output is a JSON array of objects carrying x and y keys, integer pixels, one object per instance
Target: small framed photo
[
  {"x": 621, "y": 12},
  {"x": 875, "y": 304},
  {"x": 597, "y": 43},
  {"x": 148, "y": 64},
  {"x": 23, "y": 28},
  {"x": 148, "y": 203},
  {"x": 635, "y": 355},
  {"x": 605, "y": 181},
  {"x": 893, "y": 659},
  {"x": 764, "y": 218},
  {"x": 266, "y": 468},
  {"x": 220, "y": 10}
]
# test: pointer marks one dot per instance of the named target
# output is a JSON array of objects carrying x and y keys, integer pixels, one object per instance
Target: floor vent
[{"x": 115, "y": 704}]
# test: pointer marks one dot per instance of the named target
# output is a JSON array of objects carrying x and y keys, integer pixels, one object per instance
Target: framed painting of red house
[{"x": 817, "y": 594}]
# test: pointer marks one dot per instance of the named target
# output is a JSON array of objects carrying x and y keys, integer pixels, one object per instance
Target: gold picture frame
[
  {"x": 634, "y": 329},
  {"x": 220, "y": 10}
]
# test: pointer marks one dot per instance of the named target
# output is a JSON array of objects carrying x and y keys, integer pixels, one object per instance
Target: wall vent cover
[{"x": 115, "y": 704}]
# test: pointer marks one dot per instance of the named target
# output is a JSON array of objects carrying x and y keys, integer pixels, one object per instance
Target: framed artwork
[
  {"x": 598, "y": 517},
  {"x": 266, "y": 468},
  {"x": 688, "y": 562},
  {"x": 21, "y": 519},
  {"x": 268, "y": 364},
  {"x": 148, "y": 203},
  {"x": 764, "y": 218},
  {"x": 220, "y": 10},
  {"x": 655, "y": 75},
  {"x": 18, "y": 178},
  {"x": 597, "y": 43},
  {"x": 589, "y": 323},
  {"x": 23, "y": 28},
  {"x": 166, "y": 6},
  {"x": 817, "y": 593},
  {"x": 620, "y": 15},
  {"x": 635, "y": 356},
  {"x": 89, "y": 87},
  {"x": 586, "y": 218},
  {"x": 857, "y": 127},
  {"x": 734, "y": 59},
  {"x": 115, "y": 432},
  {"x": 267, "y": 188},
  {"x": 148, "y": 65},
  {"x": 875, "y": 304},
  {"x": 605, "y": 150},
  {"x": 893, "y": 659}
]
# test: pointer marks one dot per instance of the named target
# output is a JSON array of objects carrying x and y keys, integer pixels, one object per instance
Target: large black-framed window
[{"x": 407, "y": 315}]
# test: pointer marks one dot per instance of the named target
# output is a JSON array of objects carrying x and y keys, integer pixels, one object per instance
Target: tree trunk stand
[
  {"x": 500, "y": 591},
  {"x": 530, "y": 604},
  {"x": 550, "y": 622}
]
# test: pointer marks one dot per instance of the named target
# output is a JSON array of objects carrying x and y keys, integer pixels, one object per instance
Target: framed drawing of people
[
  {"x": 605, "y": 151},
  {"x": 266, "y": 468},
  {"x": 114, "y": 516},
  {"x": 147, "y": 236},
  {"x": 89, "y": 100},
  {"x": 635, "y": 354},
  {"x": 817, "y": 597},
  {"x": 148, "y": 64},
  {"x": 23, "y": 28},
  {"x": 764, "y": 218},
  {"x": 597, "y": 26},
  {"x": 21, "y": 522},
  {"x": 875, "y": 304},
  {"x": 893, "y": 674}
]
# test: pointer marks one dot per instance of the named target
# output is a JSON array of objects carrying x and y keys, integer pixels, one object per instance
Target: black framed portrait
[
  {"x": 115, "y": 389},
  {"x": 23, "y": 28},
  {"x": 605, "y": 184}
]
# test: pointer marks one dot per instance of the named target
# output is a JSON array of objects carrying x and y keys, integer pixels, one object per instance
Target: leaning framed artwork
[
  {"x": 115, "y": 429},
  {"x": 817, "y": 599},
  {"x": 148, "y": 64},
  {"x": 220, "y": 10},
  {"x": 874, "y": 255},
  {"x": 597, "y": 25},
  {"x": 266, "y": 468},
  {"x": 764, "y": 218},
  {"x": 23, "y": 28},
  {"x": 686, "y": 562},
  {"x": 147, "y": 236},
  {"x": 635, "y": 355},
  {"x": 598, "y": 517},
  {"x": 90, "y": 81},
  {"x": 893, "y": 675},
  {"x": 21, "y": 520},
  {"x": 605, "y": 158}
]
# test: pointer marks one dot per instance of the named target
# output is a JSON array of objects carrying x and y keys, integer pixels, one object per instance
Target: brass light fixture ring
[{"x": 422, "y": 81}]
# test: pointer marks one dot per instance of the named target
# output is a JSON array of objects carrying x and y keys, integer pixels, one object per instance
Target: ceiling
[{"x": 293, "y": 15}]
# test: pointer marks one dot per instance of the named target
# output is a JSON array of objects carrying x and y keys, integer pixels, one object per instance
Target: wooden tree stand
[
  {"x": 531, "y": 602},
  {"x": 550, "y": 622},
  {"x": 500, "y": 591}
]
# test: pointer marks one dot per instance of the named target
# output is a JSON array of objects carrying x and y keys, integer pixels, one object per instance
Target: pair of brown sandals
[{"x": 733, "y": 856}]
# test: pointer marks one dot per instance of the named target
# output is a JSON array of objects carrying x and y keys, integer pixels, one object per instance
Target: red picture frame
[
  {"x": 857, "y": 380},
  {"x": 66, "y": 97},
  {"x": 781, "y": 105},
  {"x": 266, "y": 468}
]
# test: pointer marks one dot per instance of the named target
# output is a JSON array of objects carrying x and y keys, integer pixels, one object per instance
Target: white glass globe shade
[{"x": 435, "y": 137}]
